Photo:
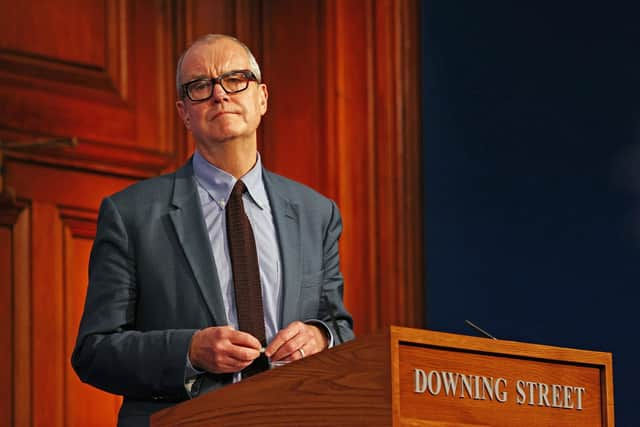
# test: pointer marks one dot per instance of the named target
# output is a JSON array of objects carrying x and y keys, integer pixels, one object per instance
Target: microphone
[{"x": 479, "y": 329}]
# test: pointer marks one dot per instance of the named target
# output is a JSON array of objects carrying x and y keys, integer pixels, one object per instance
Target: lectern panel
[{"x": 478, "y": 382}]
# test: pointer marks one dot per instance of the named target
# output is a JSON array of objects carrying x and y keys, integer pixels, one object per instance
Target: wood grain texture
[
  {"x": 351, "y": 155},
  {"x": 22, "y": 320},
  {"x": 74, "y": 40},
  {"x": 344, "y": 386},
  {"x": 98, "y": 408},
  {"x": 369, "y": 381},
  {"x": 294, "y": 139},
  {"x": 372, "y": 162},
  {"x": 6, "y": 332},
  {"x": 14, "y": 217},
  {"x": 47, "y": 316},
  {"x": 51, "y": 241},
  {"x": 121, "y": 100},
  {"x": 507, "y": 359},
  {"x": 63, "y": 187}
]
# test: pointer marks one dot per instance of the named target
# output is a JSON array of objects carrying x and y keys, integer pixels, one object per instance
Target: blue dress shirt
[{"x": 214, "y": 188}]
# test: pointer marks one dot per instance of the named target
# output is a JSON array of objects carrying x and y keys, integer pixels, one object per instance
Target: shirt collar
[{"x": 219, "y": 183}]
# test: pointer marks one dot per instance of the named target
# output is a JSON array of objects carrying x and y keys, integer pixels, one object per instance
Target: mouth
[{"x": 221, "y": 113}]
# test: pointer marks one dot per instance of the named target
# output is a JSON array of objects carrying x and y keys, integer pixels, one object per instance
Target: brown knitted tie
[{"x": 246, "y": 275}]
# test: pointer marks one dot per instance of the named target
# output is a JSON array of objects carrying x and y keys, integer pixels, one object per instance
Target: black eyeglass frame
[{"x": 248, "y": 74}]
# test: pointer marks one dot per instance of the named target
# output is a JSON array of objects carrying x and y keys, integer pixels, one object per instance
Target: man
[{"x": 166, "y": 314}]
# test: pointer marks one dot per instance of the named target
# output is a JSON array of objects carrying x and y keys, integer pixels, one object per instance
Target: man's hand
[
  {"x": 223, "y": 350},
  {"x": 296, "y": 336}
]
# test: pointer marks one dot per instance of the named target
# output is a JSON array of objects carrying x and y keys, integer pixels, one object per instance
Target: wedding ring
[{"x": 301, "y": 352}]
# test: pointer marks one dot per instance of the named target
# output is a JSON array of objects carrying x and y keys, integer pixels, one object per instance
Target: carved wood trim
[
  {"x": 115, "y": 160},
  {"x": 69, "y": 187},
  {"x": 410, "y": 113},
  {"x": 125, "y": 122},
  {"x": 47, "y": 302},
  {"x": 117, "y": 48},
  {"x": 22, "y": 321},
  {"x": 47, "y": 73},
  {"x": 10, "y": 209},
  {"x": 80, "y": 222}
]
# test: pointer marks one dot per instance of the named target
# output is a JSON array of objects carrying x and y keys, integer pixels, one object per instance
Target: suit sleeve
[
  {"x": 332, "y": 310},
  {"x": 110, "y": 353}
]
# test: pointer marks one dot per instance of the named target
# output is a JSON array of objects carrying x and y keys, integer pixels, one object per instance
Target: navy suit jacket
[{"x": 153, "y": 283}]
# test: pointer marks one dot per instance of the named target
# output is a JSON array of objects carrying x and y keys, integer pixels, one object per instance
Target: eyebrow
[{"x": 197, "y": 77}]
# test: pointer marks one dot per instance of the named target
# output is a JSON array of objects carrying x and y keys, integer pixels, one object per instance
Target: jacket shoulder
[
  {"x": 294, "y": 190},
  {"x": 156, "y": 190}
]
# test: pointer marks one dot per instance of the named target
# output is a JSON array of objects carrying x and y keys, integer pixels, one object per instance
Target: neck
[{"x": 234, "y": 157}]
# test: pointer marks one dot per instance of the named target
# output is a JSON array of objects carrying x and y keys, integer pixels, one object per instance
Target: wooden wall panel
[
  {"x": 101, "y": 71},
  {"x": 6, "y": 331},
  {"x": 49, "y": 283},
  {"x": 119, "y": 98},
  {"x": 59, "y": 186},
  {"x": 409, "y": 116},
  {"x": 15, "y": 350},
  {"x": 97, "y": 407},
  {"x": 374, "y": 148},
  {"x": 47, "y": 310},
  {"x": 294, "y": 140},
  {"x": 75, "y": 40},
  {"x": 351, "y": 118},
  {"x": 343, "y": 118}
]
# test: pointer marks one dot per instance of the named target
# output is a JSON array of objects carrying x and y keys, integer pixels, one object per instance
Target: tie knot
[{"x": 238, "y": 189}]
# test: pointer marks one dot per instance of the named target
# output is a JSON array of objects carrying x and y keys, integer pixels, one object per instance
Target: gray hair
[{"x": 210, "y": 38}]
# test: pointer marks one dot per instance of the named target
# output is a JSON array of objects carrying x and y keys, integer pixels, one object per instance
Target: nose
[{"x": 219, "y": 95}]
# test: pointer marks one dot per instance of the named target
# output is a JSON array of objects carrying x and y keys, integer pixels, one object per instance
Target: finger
[
  {"x": 282, "y": 337},
  {"x": 214, "y": 349},
  {"x": 290, "y": 350},
  {"x": 230, "y": 365},
  {"x": 228, "y": 358},
  {"x": 244, "y": 339},
  {"x": 242, "y": 354}
]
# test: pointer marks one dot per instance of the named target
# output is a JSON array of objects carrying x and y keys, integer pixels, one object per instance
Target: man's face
[{"x": 223, "y": 117}]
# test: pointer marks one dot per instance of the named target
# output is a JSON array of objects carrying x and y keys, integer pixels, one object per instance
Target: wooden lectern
[{"x": 410, "y": 377}]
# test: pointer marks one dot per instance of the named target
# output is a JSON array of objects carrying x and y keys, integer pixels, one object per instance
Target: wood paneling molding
[
  {"x": 6, "y": 320},
  {"x": 44, "y": 256},
  {"x": 72, "y": 188},
  {"x": 47, "y": 303},
  {"x": 68, "y": 62},
  {"x": 15, "y": 337},
  {"x": 122, "y": 102}
]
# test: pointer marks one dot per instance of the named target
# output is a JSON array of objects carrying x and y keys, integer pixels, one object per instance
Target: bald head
[{"x": 211, "y": 39}]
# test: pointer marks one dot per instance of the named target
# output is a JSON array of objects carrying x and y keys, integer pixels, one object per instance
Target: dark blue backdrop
[{"x": 532, "y": 175}]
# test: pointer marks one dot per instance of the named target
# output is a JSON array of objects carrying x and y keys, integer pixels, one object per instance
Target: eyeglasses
[{"x": 232, "y": 82}]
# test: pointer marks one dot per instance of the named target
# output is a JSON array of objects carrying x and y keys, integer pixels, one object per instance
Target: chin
[{"x": 227, "y": 133}]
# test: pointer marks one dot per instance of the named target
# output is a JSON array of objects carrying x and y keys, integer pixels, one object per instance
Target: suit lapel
[
  {"x": 287, "y": 223},
  {"x": 193, "y": 237}
]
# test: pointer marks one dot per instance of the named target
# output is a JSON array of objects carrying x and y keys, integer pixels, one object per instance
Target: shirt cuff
[{"x": 190, "y": 375}]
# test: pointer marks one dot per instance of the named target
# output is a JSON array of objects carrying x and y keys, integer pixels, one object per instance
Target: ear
[
  {"x": 184, "y": 114},
  {"x": 263, "y": 94}
]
